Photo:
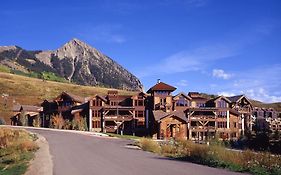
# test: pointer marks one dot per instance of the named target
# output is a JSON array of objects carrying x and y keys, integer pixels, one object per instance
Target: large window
[
  {"x": 96, "y": 124},
  {"x": 221, "y": 104},
  {"x": 222, "y": 124},
  {"x": 200, "y": 104},
  {"x": 222, "y": 114},
  {"x": 162, "y": 101},
  {"x": 182, "y": 102},
  {"x": 96, "y": 113},
  {"x": 161, "y": 92}
]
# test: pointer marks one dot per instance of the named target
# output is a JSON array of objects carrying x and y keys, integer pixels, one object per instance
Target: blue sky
[{"x": 212, "y": 46}]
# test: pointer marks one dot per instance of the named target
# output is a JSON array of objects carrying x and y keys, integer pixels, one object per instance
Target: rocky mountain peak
[
  {"x": 74, "y": 48},
  {"x": 75, "y": 61}
]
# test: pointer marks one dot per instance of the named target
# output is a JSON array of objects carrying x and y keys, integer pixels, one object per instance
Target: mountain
[{"x": 75, "y": 61}]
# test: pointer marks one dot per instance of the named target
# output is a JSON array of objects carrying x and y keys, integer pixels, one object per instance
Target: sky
[{"x": 213, "y": 46}]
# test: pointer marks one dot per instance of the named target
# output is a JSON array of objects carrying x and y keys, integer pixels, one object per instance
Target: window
[
  {"x": 222, "y": 124},
  {"x": 96, "y": 113},
  {"x": 182, "y": 102},
  {"x": 162, "y": 101},
  {"x": 222, "y": 114},
  {"x": 139, "y": 113},
  {"x": 222, "y": 104},
  {"x": 140, "y": 103},
  {"x": 200, "y": 104},
  {"x": 234, "y": 124},
  {"x": 96, "y": 124}
]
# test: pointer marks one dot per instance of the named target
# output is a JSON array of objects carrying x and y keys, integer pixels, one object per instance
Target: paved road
[{"x": 76, "y": 154}]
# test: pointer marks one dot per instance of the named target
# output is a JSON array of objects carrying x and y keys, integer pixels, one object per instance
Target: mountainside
[
  {"x": 75, "y": 61},
  {"x": 32, "y": 91}
]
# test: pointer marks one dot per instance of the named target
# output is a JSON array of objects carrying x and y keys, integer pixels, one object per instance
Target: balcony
[
  {"x": 206, "y": 128},
  {"x": 203, "y": 117},
  {"x": 118, "y": 117}
]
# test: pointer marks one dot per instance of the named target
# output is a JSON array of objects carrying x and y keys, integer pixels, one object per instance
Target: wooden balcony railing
[
  {"x": 203, "y": 127},
  {"x": 203, "y": 117},
  {"x": 118, "y": 117}
]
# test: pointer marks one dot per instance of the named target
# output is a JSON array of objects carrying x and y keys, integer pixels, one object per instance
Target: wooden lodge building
[{"x": 157, "y": 113}]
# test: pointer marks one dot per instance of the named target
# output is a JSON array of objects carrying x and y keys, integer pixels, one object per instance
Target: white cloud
[
  {"x": 261, "y": 84},
  {"x": 262, "y": 95},
  {"x": 219, "y": 73},
  {"x": 182, "y": 83},
  {"x": 226, "y": 94},
  {"x": 189, "y": 60}
]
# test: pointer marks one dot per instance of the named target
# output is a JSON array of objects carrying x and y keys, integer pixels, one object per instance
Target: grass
[
  {"x": 17, "y": 149},
  {"x": 257, "y": 163},
  {"x": 32, "y": 91},
  {"x": 129, "y": 137}
]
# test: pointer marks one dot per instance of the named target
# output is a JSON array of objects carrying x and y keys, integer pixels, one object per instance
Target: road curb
[
  {"x": 60, "y": 130},
  {"x": 42, "y": 163}
]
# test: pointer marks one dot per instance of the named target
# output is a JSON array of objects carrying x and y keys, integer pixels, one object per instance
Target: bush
[
  {"x": 2, "y": 121},
  {"x": 149, "y": 145},
  {"x": 57, "y": 122},
  {"x": 79, "y": 123}
]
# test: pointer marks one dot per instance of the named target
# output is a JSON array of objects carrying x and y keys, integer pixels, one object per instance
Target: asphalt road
[{"x": 76, "y": 154}]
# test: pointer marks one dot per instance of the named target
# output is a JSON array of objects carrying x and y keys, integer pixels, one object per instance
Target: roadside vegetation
[
  {"x": 216, "y": 155},
  {"x": 17, "y": 148},
  {"x": 77, "y": 123},
  {"x": 129, "y": 137}
]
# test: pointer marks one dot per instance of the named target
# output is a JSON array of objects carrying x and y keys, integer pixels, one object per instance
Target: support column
[
  {"x": 227, "y": 118},
  {"x": 90, "y": 119}
]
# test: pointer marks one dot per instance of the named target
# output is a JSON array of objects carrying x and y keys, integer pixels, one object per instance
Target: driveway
[{"x": 77, "y": 154}]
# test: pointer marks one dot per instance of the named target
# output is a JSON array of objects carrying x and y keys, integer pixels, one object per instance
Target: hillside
[
  {"x": 32, "y": 91},
  {"x": 75, "y": 62}
]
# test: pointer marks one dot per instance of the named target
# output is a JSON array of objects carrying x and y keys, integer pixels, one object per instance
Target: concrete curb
[
  {"x": 42, "y": 163},
  {"x": 60, "y": 130}
]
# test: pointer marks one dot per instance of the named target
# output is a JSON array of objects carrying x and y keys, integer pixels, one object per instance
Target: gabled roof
[
  {"x": 27, "y": 108},
  {"x": 238, "y": 98},
  {"x": 75, "y": 98},
  {"x": 182, "y": 94},
  {"x": 216, "y": 98},
  {"x": 102, "y": 98},
  {"x": 161, "y": 87},
  {"x": 159, "y": 115}
]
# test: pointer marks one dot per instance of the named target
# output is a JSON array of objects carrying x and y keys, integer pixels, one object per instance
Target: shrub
[
  {"x": 23, "y": 119},
  {"x": 57, "y": 122},
  {"x": 2, "y": 121},
  {"x": 149, "y": 145},
  {"x": 79, "y": 123},
  {"x": 67, "y": 124},
  {"x": 36, "y": 121}
]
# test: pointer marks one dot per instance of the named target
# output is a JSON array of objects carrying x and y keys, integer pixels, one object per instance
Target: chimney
[{"x": 158, "y": 81}]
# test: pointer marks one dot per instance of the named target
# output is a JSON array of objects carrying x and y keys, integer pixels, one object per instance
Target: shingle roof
[
  {"x": 214, "y": 99},
  {"x": 27, "y": 108},
  {"x": 161, "y": 86},
  {"x": 159, "y": 115},
  {"x": 183, "y": 94},
  {"x": 75, "y": 98}
]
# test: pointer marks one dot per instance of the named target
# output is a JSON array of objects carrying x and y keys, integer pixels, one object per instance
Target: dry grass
[
  {"x": 57, "y": 122},
  {"x": 32, "y": 91},
  {"x": 149, "y": 145},
  {"x": 261, "y": 163},
  {"x": 17, "y": 149}
]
